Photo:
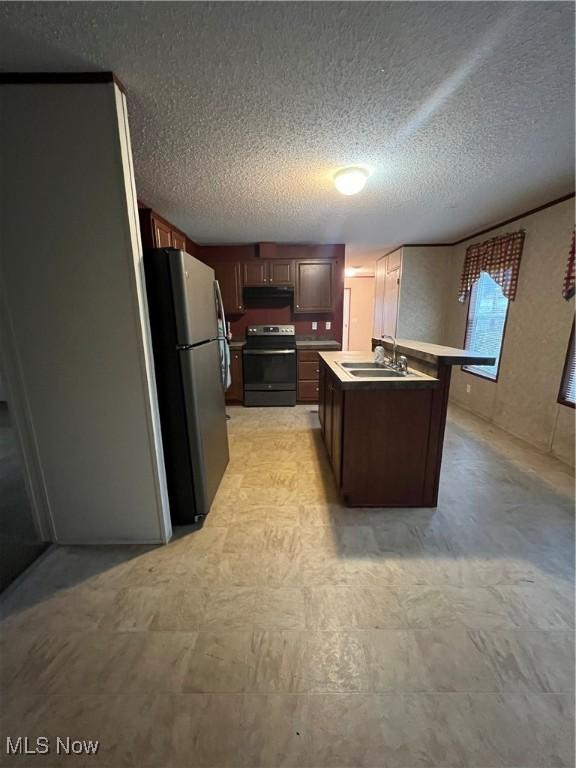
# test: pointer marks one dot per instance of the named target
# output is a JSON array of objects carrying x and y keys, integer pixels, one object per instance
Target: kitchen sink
[
  {"x": 381, "y": 373},
  {"x": 360, "y": 365}
]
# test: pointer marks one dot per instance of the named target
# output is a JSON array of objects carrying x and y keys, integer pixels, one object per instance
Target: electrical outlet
[
  {"x": 468, "y": 388},
  {"x": 314, "y": 325},
  {"x": 328, "y": 325}
]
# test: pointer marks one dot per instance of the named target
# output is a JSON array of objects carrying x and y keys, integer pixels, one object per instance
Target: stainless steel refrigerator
[{"x": 183, "y": 304}]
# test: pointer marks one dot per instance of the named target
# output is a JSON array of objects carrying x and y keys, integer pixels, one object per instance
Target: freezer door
[
  {"x": 206, "y": 417},
  {"x": 193, "y": 289}
]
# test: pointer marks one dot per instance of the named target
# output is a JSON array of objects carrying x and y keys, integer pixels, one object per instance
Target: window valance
[
  {"x": 500, "y": 257},
  {"x": 569, "y": 286}
]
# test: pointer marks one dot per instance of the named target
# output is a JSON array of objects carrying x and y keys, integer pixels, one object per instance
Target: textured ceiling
[{"x": 241, "y": 112}]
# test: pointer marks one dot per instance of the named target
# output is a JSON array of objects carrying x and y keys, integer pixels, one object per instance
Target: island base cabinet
[
  {"x": 330, "y": 413},
  {"x": 385, "y": 448},
  {"x": 380, "y": 443}
]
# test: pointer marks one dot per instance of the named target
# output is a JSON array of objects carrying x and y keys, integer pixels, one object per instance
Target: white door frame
[{"x": 346, "y": 318}]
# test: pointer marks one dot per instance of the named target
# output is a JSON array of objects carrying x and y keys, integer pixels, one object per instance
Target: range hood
[{"x": 267, "y": 293}]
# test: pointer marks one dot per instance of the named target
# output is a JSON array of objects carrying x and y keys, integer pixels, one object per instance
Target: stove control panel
[{"x": 270, "y": 330}]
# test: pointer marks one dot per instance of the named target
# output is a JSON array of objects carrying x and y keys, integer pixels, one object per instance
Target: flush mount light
[{"x": 350, "y": 181}]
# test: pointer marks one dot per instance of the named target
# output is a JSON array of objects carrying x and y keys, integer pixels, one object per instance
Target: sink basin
[
  {"x": 360, "y": 365},
  {"x": 381, "y": 373}
]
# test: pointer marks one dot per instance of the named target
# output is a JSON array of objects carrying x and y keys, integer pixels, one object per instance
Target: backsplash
[{"x": 282, "y": 315}]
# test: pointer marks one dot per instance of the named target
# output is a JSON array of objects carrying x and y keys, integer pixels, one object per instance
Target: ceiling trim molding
[
  {"x": 516, "y": 218},
  {"x": 60, "y": 78}
]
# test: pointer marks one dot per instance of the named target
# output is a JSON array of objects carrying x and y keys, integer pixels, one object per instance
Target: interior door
[
  {"x": 391, "y": 296},
  {"x": 379, "y": 297},
  {"x": 194, "y": 294},
  {"x": 206, "y": 420}
]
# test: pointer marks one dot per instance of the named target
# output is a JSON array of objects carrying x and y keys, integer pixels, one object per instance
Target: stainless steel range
[{"x": 269, "y": 359}]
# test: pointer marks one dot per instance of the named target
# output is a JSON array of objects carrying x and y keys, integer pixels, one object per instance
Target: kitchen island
[{"x": 383, "y": 431}]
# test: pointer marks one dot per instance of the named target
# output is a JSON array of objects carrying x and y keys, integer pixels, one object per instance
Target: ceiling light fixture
[{"x": 350, "y": 181}]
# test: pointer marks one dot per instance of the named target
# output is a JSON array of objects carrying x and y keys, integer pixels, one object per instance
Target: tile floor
[{"x": 291, "y": 631}]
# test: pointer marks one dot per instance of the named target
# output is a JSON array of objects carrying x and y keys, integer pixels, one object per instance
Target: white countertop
[
  {"x": 436, "y": 353},
  {"x": 413, "y": 380}
]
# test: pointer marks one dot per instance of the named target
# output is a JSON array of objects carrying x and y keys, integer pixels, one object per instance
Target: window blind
[
  {"x": 569, "y": 284},
  {"x": 485, "y": 326},
  {"x": 568, "y": 387}
]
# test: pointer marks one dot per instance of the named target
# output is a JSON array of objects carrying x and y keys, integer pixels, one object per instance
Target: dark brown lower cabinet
[
  {"x": 337, "y": 431},
  {"x": 384, "y": 445},
  {"x": 309, "y": 375},
  {"x": 235, "y": 393},
  {"x": 331, "y": 408},
  {"x": 321, "y": 396}
]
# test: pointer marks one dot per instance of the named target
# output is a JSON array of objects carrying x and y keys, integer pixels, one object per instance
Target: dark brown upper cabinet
[
  {"x": 281, "y": 272},
  {"x": 314, "y": 286},
  {"x": 270, "y": 272},
  {"x": 178, "y": 240},
  {"x": 255, "y": 273},
  {"x": 229, "y": 278},
  {"x": 162, "y": 233},
  {"x": 158, "y": 233}
]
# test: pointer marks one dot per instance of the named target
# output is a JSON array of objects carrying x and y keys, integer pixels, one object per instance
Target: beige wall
[
  {"x": 423, "y": 293},
  {"x": 523, "y": 400},
  {"x": 361, "y": 312},
  {"x": 72, "y": 290}
]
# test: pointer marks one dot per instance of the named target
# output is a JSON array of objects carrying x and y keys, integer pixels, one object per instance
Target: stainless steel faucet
[{"x": 393, "y": 340}]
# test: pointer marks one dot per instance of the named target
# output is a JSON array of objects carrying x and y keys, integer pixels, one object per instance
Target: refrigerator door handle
[
  {"x": 222, "y": 338},
  {"x": 220, "y": 307}
]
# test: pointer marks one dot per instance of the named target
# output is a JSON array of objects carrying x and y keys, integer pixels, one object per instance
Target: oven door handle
[{"x": 269, "y": 351}]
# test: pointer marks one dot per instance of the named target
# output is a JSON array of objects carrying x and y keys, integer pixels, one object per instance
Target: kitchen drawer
[
  {"x": 308, "y": 390},
  {"x": 307, "y": 356},
  {"x": 308, "y": 371}
]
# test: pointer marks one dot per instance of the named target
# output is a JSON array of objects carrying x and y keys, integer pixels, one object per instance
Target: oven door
[{"x": 269, "y": 369}]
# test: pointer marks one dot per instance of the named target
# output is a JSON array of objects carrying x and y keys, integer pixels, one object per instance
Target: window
[
  {"x": 485, "y": 325},
  {"x": 567, "y": 394}
]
